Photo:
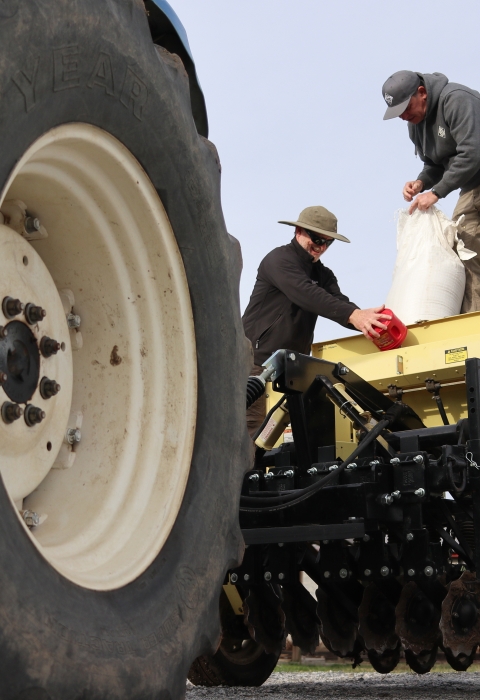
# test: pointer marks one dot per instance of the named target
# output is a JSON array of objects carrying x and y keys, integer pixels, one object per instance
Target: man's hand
[
  {"x": 366, "y": 320},
  {"x": 423, "y": 202},
  {"x": 411, "y": 189}
]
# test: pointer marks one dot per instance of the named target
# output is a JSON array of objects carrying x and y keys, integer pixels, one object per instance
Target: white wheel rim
[{"x": 111, "y": 500}]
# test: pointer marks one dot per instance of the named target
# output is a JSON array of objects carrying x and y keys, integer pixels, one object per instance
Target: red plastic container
[{"x": 394, "y": 335}]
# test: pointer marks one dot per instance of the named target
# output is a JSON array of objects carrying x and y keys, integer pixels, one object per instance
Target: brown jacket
[{"x": 290, "y": 292}]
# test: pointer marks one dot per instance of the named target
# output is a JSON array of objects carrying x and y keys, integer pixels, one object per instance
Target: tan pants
[
  {"x": 469, "y": 232},
  {"x": 257, "y": 411}
]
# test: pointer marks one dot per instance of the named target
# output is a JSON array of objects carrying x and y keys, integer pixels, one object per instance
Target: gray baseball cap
[{"x": 398, "y": 90}]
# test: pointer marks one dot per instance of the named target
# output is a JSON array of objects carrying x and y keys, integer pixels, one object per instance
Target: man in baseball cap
[
  {"x": 293, "y": 288},
  {"x": 444, "y": 124}
]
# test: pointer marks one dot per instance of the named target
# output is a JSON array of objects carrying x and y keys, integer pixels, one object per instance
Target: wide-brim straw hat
[{"x": 318, "y": 220}]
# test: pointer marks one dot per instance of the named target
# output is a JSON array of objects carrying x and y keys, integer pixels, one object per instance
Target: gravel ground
[{"x": 343, "y": 686}]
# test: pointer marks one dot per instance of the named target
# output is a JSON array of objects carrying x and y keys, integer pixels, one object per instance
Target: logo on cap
[{"x": 388, "y": 99}]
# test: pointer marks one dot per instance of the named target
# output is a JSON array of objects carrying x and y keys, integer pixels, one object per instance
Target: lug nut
[
  {"x": 384, "y": 571},
  {"x": 3, "y": 332},
  {"x": 33, "y": 415},
  {"x": 281, "y": 576},
  {"x": 11, "y": 412},
  {"x": 49, "y": 388},
  {"x": 368, "y": 572},
  {"x": 411, "y": 572},
  {"x": 395, "y": 461},
  {"x": 410, "y": 536},
  {"x": 420, "y": 492},
  {"x": 30, "y": 518},
  {"x": 73, "y": 321},
  {"x": 386, "y": 499},
  {"x": 428, "y": 571},
  {"x": 233, "y": 578},
  {"x": 246, "y": 577},
  {"x": 326, "y": 574},
  {"x": 48, "y": 346},
  {"x": 31, "y": 224},
  {"x": 73, "y": 435},
  {"x": 418, "y": 459},
  {"x": 267, "y": 576},
  {"x": 34, "y": 314},
  {"x": 343, "y": 573},
  {"x": 12, "y": 307}
]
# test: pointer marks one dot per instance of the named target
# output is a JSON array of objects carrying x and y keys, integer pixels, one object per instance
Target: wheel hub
[{"x": 20, "y": 361}]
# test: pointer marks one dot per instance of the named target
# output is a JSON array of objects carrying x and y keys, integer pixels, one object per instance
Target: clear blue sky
[{"x": 293, "y": 93}]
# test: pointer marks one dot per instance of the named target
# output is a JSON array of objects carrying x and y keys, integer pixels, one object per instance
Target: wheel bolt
[
  {"x": 48, "y": 346},
  {"x": 73, "y": 435},
  {"x": 411, "y": 572},
  {"x": 31, "y": 224},
  {"x": 48, "y": 388},
  {"x": 267, "y": 576},
  {"x": 343, "y": 573},
  {"x": 73, "y": 321},
  {"x": 12, "y": 307},
  {"x": 368, "y": 572},
  {"x": 30, "y": 518},
  {"x": 384, "y": 571},
  {"x": 428, "y": 571},
  {"x": 281, "y": 576},
  {"x": 11, "y": 412},
  {"x": 33, "y": 415},
  {"x": 34, "y": 314}
]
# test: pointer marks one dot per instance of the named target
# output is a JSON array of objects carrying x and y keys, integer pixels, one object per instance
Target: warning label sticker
[{"x": 455, "y": 355}]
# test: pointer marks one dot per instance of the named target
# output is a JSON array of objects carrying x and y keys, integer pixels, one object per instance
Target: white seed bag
[{"x": 429, "y": 277}]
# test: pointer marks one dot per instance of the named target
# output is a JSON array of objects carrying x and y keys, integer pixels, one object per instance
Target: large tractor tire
[{"x": 122, "y": 440}]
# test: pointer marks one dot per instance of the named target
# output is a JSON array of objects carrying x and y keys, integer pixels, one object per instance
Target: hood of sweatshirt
[{"x": 434, "y": 84}]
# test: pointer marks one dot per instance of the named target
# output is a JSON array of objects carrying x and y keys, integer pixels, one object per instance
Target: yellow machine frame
[{"x": 432, "y": 350}]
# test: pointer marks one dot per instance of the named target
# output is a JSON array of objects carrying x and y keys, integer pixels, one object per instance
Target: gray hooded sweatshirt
[{"x": 448, "y": 139}]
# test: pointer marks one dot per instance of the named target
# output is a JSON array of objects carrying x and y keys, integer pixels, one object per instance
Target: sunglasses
[{"x": 318, "y": 240}]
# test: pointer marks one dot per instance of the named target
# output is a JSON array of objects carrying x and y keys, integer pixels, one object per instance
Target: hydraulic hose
[{"x": 288, "y": 501}]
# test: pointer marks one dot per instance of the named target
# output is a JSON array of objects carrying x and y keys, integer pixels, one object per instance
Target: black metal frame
[{"x": 387, "y": 512}]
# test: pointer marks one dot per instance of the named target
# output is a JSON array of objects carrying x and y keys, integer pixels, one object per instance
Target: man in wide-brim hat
[{"x": 292, "y": 289}]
